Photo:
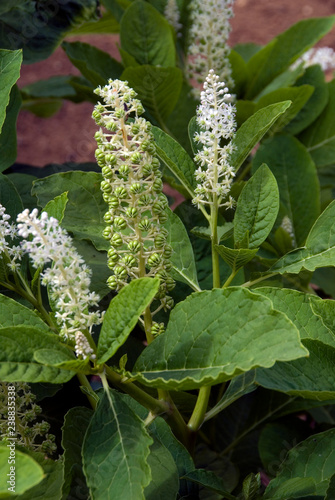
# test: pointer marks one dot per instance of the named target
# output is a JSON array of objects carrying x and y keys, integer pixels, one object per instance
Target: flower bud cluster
[
  {"x": 8, "y": 233},
  {"x": 171, "y": 12},
  {"x": 324, "y": 56},
  {"x": 216, "y": 118},
  {"x": 132, "y": 188},
  {"x": 207, "y": 45},
  {"x": 68, "y": 278},
  {"x": 30, "y": 431}
]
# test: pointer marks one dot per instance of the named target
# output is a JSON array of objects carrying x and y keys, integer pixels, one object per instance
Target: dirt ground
[{"x": 68, "y": 135}]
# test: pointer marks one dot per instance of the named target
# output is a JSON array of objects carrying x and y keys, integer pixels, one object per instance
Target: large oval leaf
[
  {"x": 297, "y": 181},
  {"x": 215, "y": 335}
]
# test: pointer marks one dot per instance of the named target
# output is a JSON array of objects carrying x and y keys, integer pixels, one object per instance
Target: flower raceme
[
  {"x": 216, "y": 119},
  {"x": 207, "y": 44},
  {"x": 68, "y": 278},
  {"x": 132, "y": 188}
]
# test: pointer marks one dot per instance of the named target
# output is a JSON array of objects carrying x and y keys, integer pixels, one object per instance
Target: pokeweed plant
[{"x": 200, "y": 338}]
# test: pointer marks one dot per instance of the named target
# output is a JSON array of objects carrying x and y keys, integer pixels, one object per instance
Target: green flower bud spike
[{"x": 132, "y": 188}]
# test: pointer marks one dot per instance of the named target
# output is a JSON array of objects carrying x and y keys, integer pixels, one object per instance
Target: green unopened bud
[
  {"x": 170, "y": 284},
  {"x": 155, "y": 164},
  {"x": 136, "y": 188},
  {"x": 120, "y": 271},
  {"x": 147, "y": 170},
  {"x": 112, "y": 254},
  {"x": 136, "y": 158},
  {"x": 129, "y": 260},
  {"x": 162, "y": 217},
  {"x": 120, "y": 192},
  {"x": 113, "y": 260},
  {"x": 119, "y": 113},
  {"x": 158, "y": 207},
  {"x": 132, "y": 212},
  {"x": 116, "y": 240},
  {"x": 107, "y": 172},
  {"x": 145, "y": 224},
  {"x": 157, "y": 329},
  {"x": 167, "y": 265},
  {"x": 106, "y": 187},
  {"x": 120, "y": 223},
  {"x": 112, "y": 282},
  {"x": 154, "y": 260},
  {"x": 157, "y": 185},
  {"x": 167, "y": 251},
  {"x": 135, "y": 129},
  {"x": 160, "y": 240},
  {"x": 108, "y": 218},
  {"x": 110, "y": 159},
  {"x": 107, "y": 233},
  {"x": 124, "y": 171},
  {"x": 134, "y": 246},
  {"x": 113, "y": 202},
  {"x": 144, "y": 200}
]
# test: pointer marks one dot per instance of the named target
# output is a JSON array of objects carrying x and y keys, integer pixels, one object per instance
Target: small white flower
[
  {"x": 324, "y": 56},
  {"x": 216, "y": 117},
  {"x": 171, "y": 12},
  {"x": 68, "y": 278}
]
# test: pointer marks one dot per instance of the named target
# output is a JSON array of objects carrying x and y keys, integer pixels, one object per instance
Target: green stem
[
  {"x": 229, "y": 279},
  {"x": 258, "y": 280},
  {"x": 84, "y": 382},
  {"x": 200, "y": 408},
  {"x": 214, "y": 241},
  {"x": 244, "y": 172},
  {"x": 156, "y": 406}
]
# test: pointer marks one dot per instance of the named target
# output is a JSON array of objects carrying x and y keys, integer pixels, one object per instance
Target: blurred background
[{"x": 68, "y": 136}]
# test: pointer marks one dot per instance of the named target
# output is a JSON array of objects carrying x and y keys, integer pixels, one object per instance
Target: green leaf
[
  {"x": 8, "y": 143},
  {"x": 10, "y": 64},
  {"x": 224, "y": 232},
  {"x": 312, "y": 459},
  {"x": 298, "y": 95},
  {"x": 107, "y": 24},
  {"x": 283, "y": 50},
  {"x": 9, "y": 197},
  {"x": 157, "y": 87},
  {"x": 13, "y": 313},
  {"x": 51, "y": 485},
  {"x": 18, "y": 344},
  {"x": 22, "y": 471},
  {"x": 165, "y": 480},
  {"x": 285, "y": 79},
  {"x": 297, "y": 180},
  {"x": 251, "y": 486},
  {"x": 116, "y": 441},
  {"x": 311, "y": 378},
  {"x": 73, "y": 431},
  {"x": 316, "y": 104},
  {"x": 252, "y": 131},
  {"x": 85, "y": 208},
  {"x": 209, "y": 480},
  {"x": 64, "y": 359},
  {"x": 236, "y": 258},
  {"x": 319, "y": 138},
  {"x": 238, "y": 387},
  {"x": 151, "y": 41},
  {"x": 94, "y": 64},
  {"x": 331, "y": 489},
  {"x": 257, "y": 209},
  {"x": 97, "y": 262},
  {"x": 174, "y": 156},
  {"x": 301, "y": 309},
  {"x": 43, "y": 108},
  {"x": 122, "y": 315},
  {"x": 39, "y": 31},
  {"x": 56, "y": 207},
  {"x": 319, "y": 250},
  {"x": 200, "y": 348},
  {"x": 182, "y": 258},
  {"x": 53, "y": 87}
]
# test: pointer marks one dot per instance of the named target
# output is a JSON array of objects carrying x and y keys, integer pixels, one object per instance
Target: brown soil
[{"x": 68, "y": 135}]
